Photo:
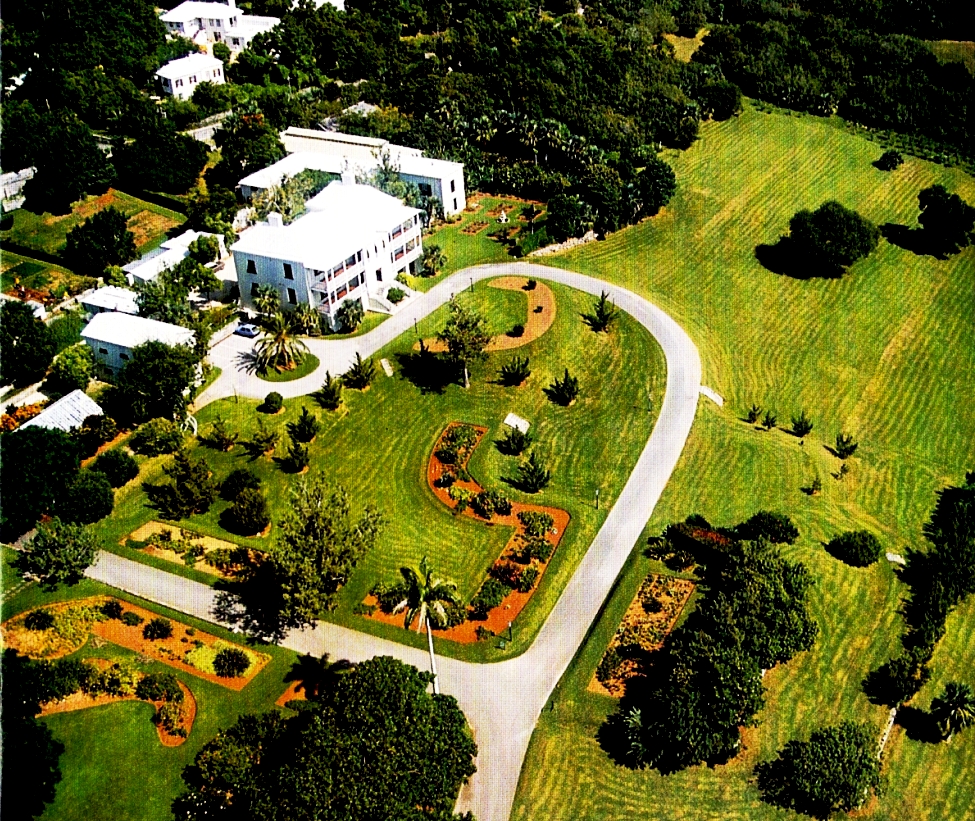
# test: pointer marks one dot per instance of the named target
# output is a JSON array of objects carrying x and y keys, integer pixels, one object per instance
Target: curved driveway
[{"x": 502, "y": 701}]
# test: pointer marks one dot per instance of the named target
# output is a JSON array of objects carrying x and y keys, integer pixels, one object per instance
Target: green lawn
[
  {"x": 308, "y": 364},
  {"x": 113, "y": 766},
  {"x": 886, "y": 353},
  {"x": 378, "y": 449},
  {"x": 34, "y": 274}
]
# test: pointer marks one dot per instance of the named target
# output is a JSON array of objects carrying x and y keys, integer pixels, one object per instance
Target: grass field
[
  {"x": 955, "y": 51},
  {"x": 34, "y": 274},
  {"x": 886, "y": 353},
  {"x": 47, "y": 232},
  {"x": 379, "y": 446},
  {"x": 308, "y": 364}
]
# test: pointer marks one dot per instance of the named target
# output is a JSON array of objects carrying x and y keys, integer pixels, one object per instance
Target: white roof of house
[
  {"x": 249, "y": 25},
  {"x": 112, "y": 298},
  {"x": 188, "y": 65},
  {"x": 191, "y": 9},
  {"x": 342, "y": 219},
  {"x": 326, "y": 137},
  {"x": 129, "y": 331},
  {"x": 292, "y": 165},
  {"x": 165, "y": 256},
  {"x": 67, "y": 413}
]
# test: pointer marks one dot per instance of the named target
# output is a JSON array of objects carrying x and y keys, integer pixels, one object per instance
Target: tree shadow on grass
[
  {"x": 426, "y": 370},
  {"x": 919, "y": 725},
  {"x": 785, "y": 259},
  {"x": 916, "y": 240},
  {"x": 246, "y": 361}
]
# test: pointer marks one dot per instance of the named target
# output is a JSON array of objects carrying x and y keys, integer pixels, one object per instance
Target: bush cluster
[
  {"x": 157, "y": 436},
  {"x": 117, "y": 466},
  {"x": 231, "y": 662},
  {"x": 858, "y": 548},
  {"x": 490, "y": 595},
  {"x": 488, "y": 502},
  {"x": 536, "y": 523},
  {"x": 158, "y": 629}
]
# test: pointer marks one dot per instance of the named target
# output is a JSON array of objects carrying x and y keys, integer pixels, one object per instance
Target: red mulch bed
[{"x": 499, "y": 618}]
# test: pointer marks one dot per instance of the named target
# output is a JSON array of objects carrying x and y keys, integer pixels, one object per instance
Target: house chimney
[
  {"x": 275, "y": 220},
  {"x": 232, "y": 4},
  {"x": 348, "y": 176}
]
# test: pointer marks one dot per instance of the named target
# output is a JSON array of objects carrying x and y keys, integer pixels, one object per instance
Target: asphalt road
[{"x": 502, "y": 701}]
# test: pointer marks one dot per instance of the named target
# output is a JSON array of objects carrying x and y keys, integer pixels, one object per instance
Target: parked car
[{"x": 248, "y": 330}]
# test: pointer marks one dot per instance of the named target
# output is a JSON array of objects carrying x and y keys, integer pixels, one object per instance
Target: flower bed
[
  {"x": 180, "y": 546},
  {"x": 474, "y": 227},
  {"x": 73, "y": 622},
  {"x": 514, "y": 577},
  {"x": 649, "y": 618}
]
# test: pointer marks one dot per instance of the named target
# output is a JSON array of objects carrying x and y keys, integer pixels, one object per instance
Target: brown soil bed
[
  {"x": 107, "y": 446},
  {"x": 536, "y": 323},
  {"x": 209, "y": 543},
  {"x": 474, "y": 227},
  {"x": 295, "y": 692},
  {"x": 644, "y": 629},
  {"x": 514, "y": 602}
]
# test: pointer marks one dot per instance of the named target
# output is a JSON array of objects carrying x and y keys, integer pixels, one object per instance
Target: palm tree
[
  {"x": 954, "y": 709},
  {"x": 306, "y": 319},
  {"x": 424, "y": 598},
  {"x": 317, "y": 674},
  {"x": 279, "y": 347},
  {"x": 267, "y": 300}
]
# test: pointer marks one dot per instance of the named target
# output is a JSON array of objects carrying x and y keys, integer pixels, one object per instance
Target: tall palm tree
[
  {"x": 425, "y": 597},
  {"x": 279, "y": 347},
  {"x": 954, "y": 709}
]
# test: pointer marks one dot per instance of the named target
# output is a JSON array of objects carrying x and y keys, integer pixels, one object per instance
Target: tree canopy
[
  {"x": 60, "y": 553},
  {"x": 153, "y": 383},
  {"x": 831, "y": 238},
  {"x": 26, "y": 344},
  {"x": 374, "y": 746},
  {"x": 947, "y": 219},
  {"x": 101, "y": 240},
  {"x": 466, "y": 336}
]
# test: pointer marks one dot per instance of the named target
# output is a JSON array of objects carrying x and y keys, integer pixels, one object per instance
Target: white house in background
[
  {"x": 13, "y": 184},
  {"x": 66, "y": 414},
  {"x": 334, "y": 151},
  {"x": 113, "y": 336},
  {"x": 205, "y": 23},
  {"x": 180, "y": 77},
  {"x": 349, "y": 245},
  {"x": 110, "y": 299},
  {"x": 172, "y": 251}
]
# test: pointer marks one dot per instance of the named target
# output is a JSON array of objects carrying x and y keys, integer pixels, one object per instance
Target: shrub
[
  {"x": 350, "y": 315},
  {"x": 220, "y": 436},
  {"x": 117, "y": 466},
  {"x": 603, "y": 314},
  {"x": 517, "y": 331},
  {"x": 539, "y": 548},
  {"x": 530, "y": 285},
  {"x": 801, "y": 426},
  {"x": 231, "y": 662},
  {"x": 609, "y": 666},
  {"x": 131, "y": 618},
  {"x": 237, "y": 480},
  {"x": 651, "y": 604},
  {"x": 118, "y": 680},
  {"x": 157, "y": 436},
  {"x": 169, "y": 716},
  {"x": 305, "y": 428},
  {"x": 157, "y": 629},
  {"x": 395, "y": 295},
  {"x": 857, "y": 548},
  {"x": 112, "y": 608},
  {"x": 505, "y": 572},
  {"x": 95, "y": 431},
  {"x": 298, "y": 457},
  {"x": 483, "y": 633},
  {"x": 248, "y": 515},
  {"x": 514, "y": 442},
  {"x": 775, "y": 527},
  {"x": 159, "y": 687},
  {"x": 845, "y": 446},
  {"x": 39, "y": 620},
  {"x": 753, "y": 413},
  {"x": 329, "y": 396},
  {"x": 488, "y": 502},
  {"x": 360, "y": 375},
  {"x": 490, "y": 595},
  {"x": 526, "y": 581},
  {"x": 563, "y": 391},
  {"x": 889, "y": 160},
  {"x": 770, "y": 420},
  {"x": 263, "y": 440},
  {"x": 536, "y": 523},
  {"x": 445, "y": 479},
  {"x": 532, "y": 475},
  {"x": 273, "y": 403},
  {"x": 515, "y": 372},
  {"x": 456, "y": 615},
  {"x": 388, "y": 596}
]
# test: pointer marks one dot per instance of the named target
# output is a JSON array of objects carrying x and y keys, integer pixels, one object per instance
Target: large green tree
[
  {"x": 101, "y": 240},
  {"x": 954, "y": 709},
  {"x": 247, "y": 143},
  {"x": 835, "y": 771},
  {"x": 154, "y": 383},
  {"x": 59, "y": 553},
  {"x": 26, "y": 344},
  {"x": 190, "y": 489},
  {"x": 831, "y": 238},
  {"x": 374, "y": 746},
  {"x": 947, "y": 219},
  {"x": 466, "y": 337}
]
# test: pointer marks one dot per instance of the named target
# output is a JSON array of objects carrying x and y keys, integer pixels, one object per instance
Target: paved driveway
[{"x": 502, "y": 701}]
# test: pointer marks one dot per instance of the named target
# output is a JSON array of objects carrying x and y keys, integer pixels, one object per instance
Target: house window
[
  {"x": 103, "y": 350},
  {"x": 292, "y": 297},
  {"x": 236, "y": 41},
  {"x": 179, "y": 83},
  {"x": 341, "y": 292},
  {"x": 124, "y": 357},
  {"x": 251, "y": 267},
  {"x": 350, "y": 261},
  {"x": 453, "y": 186},
  {"x": 379, "y": 275},
  {"x": 455, "y": 203},
  {"x": 193, "y": 78},
  {"x": 254, "y": 289},
  {"x": 288, "y": 273}
]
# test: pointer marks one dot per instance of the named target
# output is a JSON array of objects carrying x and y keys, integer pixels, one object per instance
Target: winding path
[{"x": 502, "y": 701}]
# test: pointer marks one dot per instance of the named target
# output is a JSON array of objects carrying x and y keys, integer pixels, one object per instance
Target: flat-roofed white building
[
  {"x": 205, "y": 23},
  {"x": 110, "y": 299},
  {"x": 349, "y": 245},
  {"x": 172, "y": 251},
  {"x": 180, "y": 77},
  {"x": 113, "y": 336},
  {"x": 68, "y": 413},
  {"x": 334, "y": 151}
]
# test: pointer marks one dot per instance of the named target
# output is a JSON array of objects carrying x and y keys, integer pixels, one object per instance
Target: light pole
[
  {"x": 510, "y": 634},
  {"x": 472, "y": 285},
  {"x": 597, "y": 498}
]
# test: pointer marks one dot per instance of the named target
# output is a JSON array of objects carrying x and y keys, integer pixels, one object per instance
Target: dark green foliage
[
  {"x": 131, "y": 618},
  {"x": 889, "y": 160},
  {"x": 831, "y": 238},
  {"x": 432, "y": 261},
  {"x": 466, "y": 336},
  {"x": 159, "y": 687},
  {"x": 801, "y": 425},
  {"x": 776, "y": 528},
  {"x": 770, "y": 420},
  {"x": 94, "y": 432},
  {"x": 237, "y": 480},
  {"x": 835, "y": 771},
  {"x": 568, "y": 216},
  {"x": 754, "y": 412},
  {"x": 289, "y": 198},
  {"x": 157, "y": 629},
  {"x": 298, "y": 457},
  {"x": 526, "y": 581},
  {"x": 360, "y": 374},
  {"x": 190, "y": 488},
  {"x": 151, "y": 384},
  {"x": 329, "y": 396},
  {"x": 603, "y": 314},
  {"x": 858, "y": 548},
  {"x": 948, "y": 221},
  {"x": 563, "y": 391},
  {"x": 231, "y": 662},
  {"x": 490, "y": 595},
  {"x": 38, "y": 465},
  {"x": 305, "y": 428},
  {"x": 488, "y": 502},
  {"x": 514, "y": 442},
  {"x": 395, "y": 295},
  {"x": 220, "y": 437},
  {"x": 39, "y": 620},
  {"x": 897, "y": 681},
  {"x": 73, "y": 369},
  {"x": 515, "y": 372},
  {"x": 532, "y": 475},
  {"x": 204, "y": 249},
  {"x": 273, "y": 402},
  {"x": 350, "y": 315},
  {"x": 247, "y": 143},
  {"x": 516, "y": 331},
  {"x": 263, "y": 441},
  {"x": 954, "y": 709},
  {"x": 397, "y": 747},
  {"x": 112, "y": 608},
  {"x": 160, "y": 159},
  {"x": 536, "y": 524},
  {"x": 845, "y": 446},
  {"x": 26, "y": 345},
  {"x": 249, "y": 514},
  {"x": 101, "y": 240},
  {"x": 157, "y": 436},
  {"x": 66, "y": 330},
  {"x": 87, "y": 499}
]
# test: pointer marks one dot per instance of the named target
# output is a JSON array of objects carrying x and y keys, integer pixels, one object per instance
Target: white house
[
  {"x": 172, "y": 251},
  {"x": 180, "y": 77},
  {"x": 205, "y": 23},
  {"x": 66, "y": 414},
  {"x": 13, "y": 184},
  {"x": 112, "y": 337},
  {"x": 108, "y": 299},
  {"x": 334, "y": 151},
  {"x": 349, "y": 245}
]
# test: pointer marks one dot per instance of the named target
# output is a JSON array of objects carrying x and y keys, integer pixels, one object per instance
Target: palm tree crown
[
  {"x": 279, "y": 347},
  {"x": 425, "y": 597},
  {"x": 954, "y": 710}
]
